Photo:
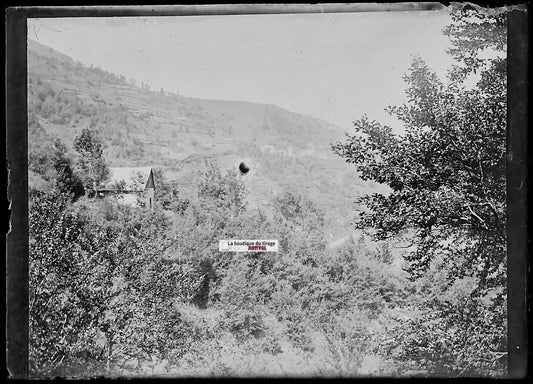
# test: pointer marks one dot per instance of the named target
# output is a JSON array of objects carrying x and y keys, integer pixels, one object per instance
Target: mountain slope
[{"x": 159, "y": 129}]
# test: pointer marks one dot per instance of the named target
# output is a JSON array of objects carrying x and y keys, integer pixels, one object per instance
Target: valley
[{"x": 142, "y": 127}]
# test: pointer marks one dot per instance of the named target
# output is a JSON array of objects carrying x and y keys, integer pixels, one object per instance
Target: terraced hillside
[{"x": 144, "y": 127}]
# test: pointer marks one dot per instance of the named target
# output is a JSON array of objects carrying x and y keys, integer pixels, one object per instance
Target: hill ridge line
[{"x": 36, "y": 47}]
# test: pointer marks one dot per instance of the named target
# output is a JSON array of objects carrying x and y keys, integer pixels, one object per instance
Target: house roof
[{"x": 135, "y": 178}]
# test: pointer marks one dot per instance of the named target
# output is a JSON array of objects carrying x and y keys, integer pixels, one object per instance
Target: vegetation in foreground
[{"x": 119, "y": 291}]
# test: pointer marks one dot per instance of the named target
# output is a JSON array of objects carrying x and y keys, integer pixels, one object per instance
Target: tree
[
  {"x": 472, "y": 32},
  {"x": 48, "y": 157},
  {"x": 67, "y": 181},
  {"x": 91, "y": 159},
  {"x": 224, "y": 191},
  {"x": 167, "y": 193},
  {"x": 216, "y": 214},
  {"x": 446, "y": 173},
  {"x": 63, "y": 316},
  {"x": 299, "y": 225},
  {"x": 139, "y": 321},
  {"x": 102, "y": 287}
]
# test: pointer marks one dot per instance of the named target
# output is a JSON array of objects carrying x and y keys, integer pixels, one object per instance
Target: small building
[{"x": 131, "y": 185}]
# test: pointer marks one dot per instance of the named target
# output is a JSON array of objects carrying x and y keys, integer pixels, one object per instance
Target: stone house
[{"x": 131, "y": 185}]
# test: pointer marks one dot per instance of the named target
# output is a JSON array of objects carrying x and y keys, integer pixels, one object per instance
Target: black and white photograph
[{"x": 271, "y": 194}]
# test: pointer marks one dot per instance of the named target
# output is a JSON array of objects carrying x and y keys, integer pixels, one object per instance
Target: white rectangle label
[{"x": 248, "y": 245}]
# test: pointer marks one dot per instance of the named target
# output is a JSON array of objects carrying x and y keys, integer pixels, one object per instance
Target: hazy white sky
[{"x": 333, "y": 66}]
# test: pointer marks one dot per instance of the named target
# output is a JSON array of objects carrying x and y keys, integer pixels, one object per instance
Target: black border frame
[
  {"x": 17, "y": 143},
  {"x": 517, "y": 168}
]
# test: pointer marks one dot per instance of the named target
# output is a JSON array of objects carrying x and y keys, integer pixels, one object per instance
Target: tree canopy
[
  {"x": 125, "y": 290},
  {"x": 91, "y": 160},
  {"x": 446, "y": 173}
]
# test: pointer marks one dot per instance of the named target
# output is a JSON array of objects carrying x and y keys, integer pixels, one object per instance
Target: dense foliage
[
  {"x": 91, "y": 160},
  {"x": 120, "y": 290},
  {"x": 446, "y": 172}
]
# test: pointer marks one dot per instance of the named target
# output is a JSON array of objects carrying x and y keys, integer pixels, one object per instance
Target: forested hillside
[
  {"x": 419, "y": 289},
  {"x": 143, "y": 127},
  {"x": 298, "y": 311}
]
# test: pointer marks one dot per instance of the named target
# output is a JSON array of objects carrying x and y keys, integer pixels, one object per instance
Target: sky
[{"x": 334, "y": 66}]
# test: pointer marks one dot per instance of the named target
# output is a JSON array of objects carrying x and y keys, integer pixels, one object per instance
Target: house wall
[
  {"x": 131, "y": 199},
  {"x": 135, "y": 194},
  {"x": 127, "y": 198},
  {"x": 149, "y": 198}
]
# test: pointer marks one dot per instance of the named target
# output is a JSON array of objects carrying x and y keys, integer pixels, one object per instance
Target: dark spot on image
[{"x": 244, "y": 168}]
